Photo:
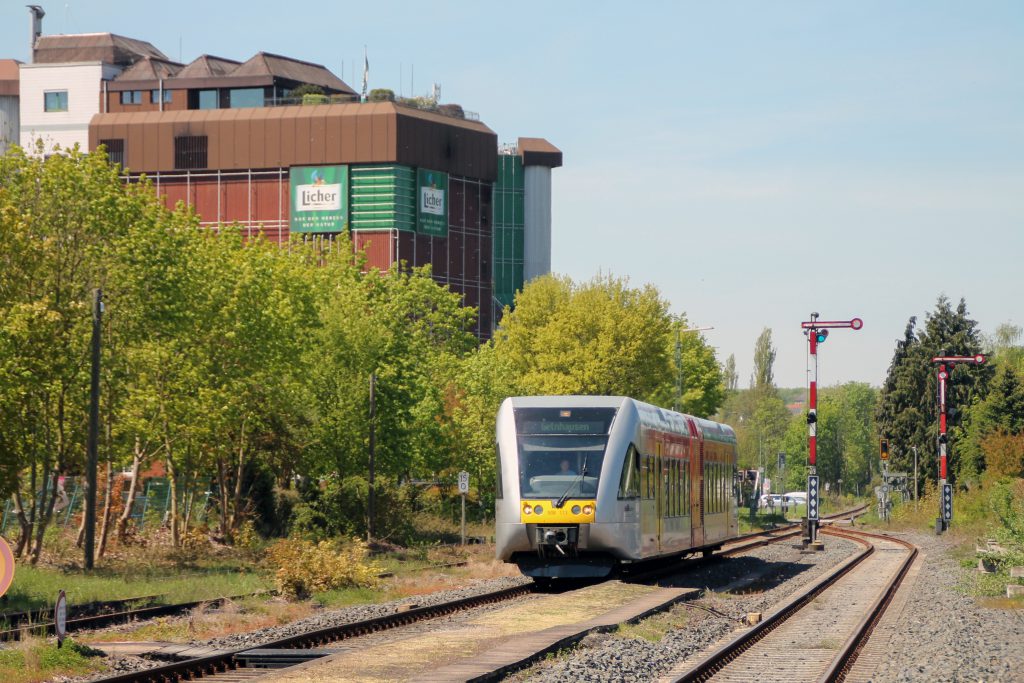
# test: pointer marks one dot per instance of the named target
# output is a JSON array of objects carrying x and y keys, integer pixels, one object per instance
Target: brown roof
[
  {"x": 276, "y": 66},
  {"x": 9, "y": 76},
  {"x": 208, "y": 66},
  {"x": 273, "y": 137},
  {"x": 539, "y": 152},
  {"x": 93, "y": 47},
  {"x": 149, "y": 69}
]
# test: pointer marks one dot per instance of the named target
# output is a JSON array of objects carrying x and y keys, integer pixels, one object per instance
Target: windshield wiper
[{"x": 565, "y": 496}]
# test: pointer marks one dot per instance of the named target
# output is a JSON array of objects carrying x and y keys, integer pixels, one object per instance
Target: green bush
[
  {"x": 339, "y": 508},
  {"x": 382, "y": 95}
]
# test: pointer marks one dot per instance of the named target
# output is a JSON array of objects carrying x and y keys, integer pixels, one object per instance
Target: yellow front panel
[{"x": 549, "y": 514}]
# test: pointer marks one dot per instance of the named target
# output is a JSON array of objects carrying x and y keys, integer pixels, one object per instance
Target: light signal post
[
  {"x": 946, "y": 489},
  {"x": 817, "y": 332}
]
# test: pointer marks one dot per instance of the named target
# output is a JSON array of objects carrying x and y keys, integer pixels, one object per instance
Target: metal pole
[
  {"x": 812, "y": 429},
  {"x": 940, "y": 523},
  {"x": 914, "y": 448},
  {"x": 94, "y": 431},
  {"x": 373, "y": 447},
  {"x": 463, "y": 527}
]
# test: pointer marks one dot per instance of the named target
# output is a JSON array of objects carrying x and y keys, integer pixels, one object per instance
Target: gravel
[
  {"x": 777, "y": 570},
  {"x": 360, "y": 613},
  {"x": 323, "y": 619},
  {"x": 944, "y": 634}
]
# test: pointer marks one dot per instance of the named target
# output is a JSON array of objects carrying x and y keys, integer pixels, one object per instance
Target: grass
[
  {"x": 37, "y": 587},
  {"x": 655, "y": 627},
  {"x": 34, "y": 659}
]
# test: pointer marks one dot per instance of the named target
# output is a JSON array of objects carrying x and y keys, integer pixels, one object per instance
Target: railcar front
[{"x": 560, "y": 467}]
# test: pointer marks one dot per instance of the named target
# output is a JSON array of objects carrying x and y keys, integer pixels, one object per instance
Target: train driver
[{"x": 566, "y": 468}]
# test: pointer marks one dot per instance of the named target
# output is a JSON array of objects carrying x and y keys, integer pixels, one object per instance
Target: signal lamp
[{"x": 820, "y": 336}]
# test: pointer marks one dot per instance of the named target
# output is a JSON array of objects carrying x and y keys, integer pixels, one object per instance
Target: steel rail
[
  {"x": 124, "y": 616},
  {"x": 229, "y": 659},
  {"x": 841, "y": 665},
  {"x": 714, "y": 662}
]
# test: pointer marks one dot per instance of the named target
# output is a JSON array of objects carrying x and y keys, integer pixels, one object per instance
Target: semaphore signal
[
  {"x": 946, "y": 490},
  {"x": 817, "y": 332}
]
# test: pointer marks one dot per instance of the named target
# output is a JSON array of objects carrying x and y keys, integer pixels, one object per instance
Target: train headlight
[
  {"x": 527, "y": 510},
  {"x": 588, "y": 509},
  {"x": 575, "y": 509},
  {"x": 538, "y": 509}
]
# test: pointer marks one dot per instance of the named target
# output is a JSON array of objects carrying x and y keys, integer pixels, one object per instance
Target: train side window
[
  {"x": 498, "y": 493},
  {"x": 645, "y": 476},
  {"x": 629, "y": 486}
]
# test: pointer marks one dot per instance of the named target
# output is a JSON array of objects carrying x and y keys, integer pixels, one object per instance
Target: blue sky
[{"x": 754, "y": 161}]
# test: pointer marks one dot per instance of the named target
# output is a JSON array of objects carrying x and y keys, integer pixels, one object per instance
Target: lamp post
[{"x": 677, "y": 405}]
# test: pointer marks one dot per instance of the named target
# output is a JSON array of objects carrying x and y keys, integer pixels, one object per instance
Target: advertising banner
[
  {"x": 432, "y": 202},
  {"x": 319, "y": 198}
]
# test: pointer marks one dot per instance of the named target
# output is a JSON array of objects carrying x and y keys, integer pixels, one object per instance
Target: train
[{"x": 590, "y": 485}]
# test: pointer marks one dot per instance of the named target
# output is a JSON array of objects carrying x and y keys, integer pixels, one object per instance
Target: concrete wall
[
  {"x": 84, "y": 84},
  {"x": 9, "y": 117},
  {"x": 537, "y": 222}
]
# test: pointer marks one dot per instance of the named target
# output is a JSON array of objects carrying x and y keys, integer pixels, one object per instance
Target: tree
[
  {"x": 730, "y": 378},
  {"x": 697, "y": 373},
  {"x": 597, "y": 338},
  {"x": 58, "y": 218},
  {"x": 907, "y": 410},
  {"x": 764, "y": 359}
]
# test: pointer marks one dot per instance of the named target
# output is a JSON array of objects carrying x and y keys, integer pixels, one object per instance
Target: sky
[{"x": 754, "y": 161}]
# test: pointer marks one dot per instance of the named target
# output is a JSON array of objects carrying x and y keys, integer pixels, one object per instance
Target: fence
[{"x": 151, "y": 505}]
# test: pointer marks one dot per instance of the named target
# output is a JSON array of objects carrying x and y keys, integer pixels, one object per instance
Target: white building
[
  {"x": 9, "y": 112},
  {"x": 64, "y": 86}
]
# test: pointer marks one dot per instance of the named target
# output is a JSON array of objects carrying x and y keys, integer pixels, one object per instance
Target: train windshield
[{"x": 561, "y": 451}]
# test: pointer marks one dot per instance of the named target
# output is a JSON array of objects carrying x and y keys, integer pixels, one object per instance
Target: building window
[
  {"x": 131, "y": 97},
  {"x": 115, "y": 150},
  {"x": 154, "y": 96},
  {"x": 190, "y": 151},
  {"x": 245, "y": 97},
  {"x": 203, "y": 99},
  {"x": 56, "y": 100}
]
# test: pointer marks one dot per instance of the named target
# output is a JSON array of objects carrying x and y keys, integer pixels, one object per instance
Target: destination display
[{"x": 564, "y": 420}]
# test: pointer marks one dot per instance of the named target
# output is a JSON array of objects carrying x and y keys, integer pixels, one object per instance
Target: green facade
[
  {"x": 508, "y": 228},
  {"x": 383, "y": 198}
]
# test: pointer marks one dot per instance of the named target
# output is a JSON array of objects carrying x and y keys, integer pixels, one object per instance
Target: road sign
[
  {"x": 60, "y": 617},
  {"x": 463, "y": 482},
  {"x": 6, "y": 566},
  {"x": 947, "y": 502},
  {"x": 812, "y": 496}
]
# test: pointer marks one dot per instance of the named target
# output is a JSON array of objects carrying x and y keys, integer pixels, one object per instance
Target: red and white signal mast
[
  {"x": 817, "y": 332},
  {"x": 946, "y": 499}
]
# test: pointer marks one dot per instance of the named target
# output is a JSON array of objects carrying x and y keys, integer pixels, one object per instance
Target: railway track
[
  {"x": 248, "y": 662},
  {"x": 818, "y": 634},
  {"x": 106, "y": 613}
]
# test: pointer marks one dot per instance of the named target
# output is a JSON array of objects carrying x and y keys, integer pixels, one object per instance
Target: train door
[
  {"x": 659, "y": 493},
  {"x": 696, "y": 448},
  {"x": 649, "y": 523}
]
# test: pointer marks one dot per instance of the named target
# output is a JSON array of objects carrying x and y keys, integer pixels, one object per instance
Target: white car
[{"x": 797, "y": 497}]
